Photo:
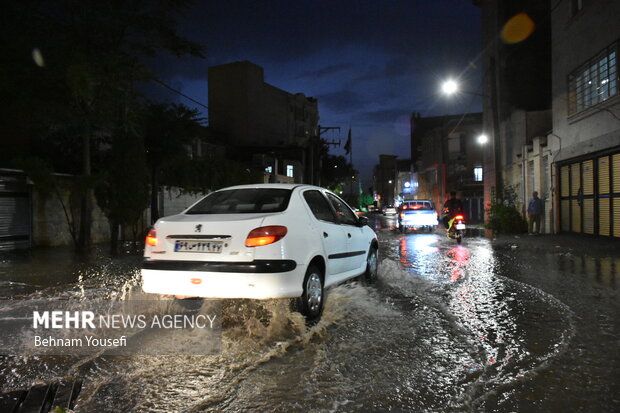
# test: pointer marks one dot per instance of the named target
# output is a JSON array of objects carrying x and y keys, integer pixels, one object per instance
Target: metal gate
[
  {"x": 15, "y": 214},
  {"x": 590, "y": 195}
]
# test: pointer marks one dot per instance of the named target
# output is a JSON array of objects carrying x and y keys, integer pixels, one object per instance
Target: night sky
[{"x": 369, "y": 63}]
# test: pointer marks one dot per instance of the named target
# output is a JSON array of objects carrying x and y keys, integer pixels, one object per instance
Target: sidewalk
[{"x": 561, "y": 242}]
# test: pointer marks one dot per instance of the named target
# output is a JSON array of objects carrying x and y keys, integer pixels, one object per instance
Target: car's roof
[
  {"x": 270, "y": 186},
  {"x": 417, "y": 200}
]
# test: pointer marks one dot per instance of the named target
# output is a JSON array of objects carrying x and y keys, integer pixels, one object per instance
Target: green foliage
[
  {"x": 122, "y": 185},
  {"x": 504, "y": 217},
  {"x": 366, "y": 199},
  {"x": 506, "y": 220},
  {"x": 167, "y": 129},
  {"x": 209, "y": 173},
  {"x": 39, "y": 171},
  {"x": 335, "y": 172}
]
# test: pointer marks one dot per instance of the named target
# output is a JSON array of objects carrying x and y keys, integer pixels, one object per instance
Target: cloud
[
  {"x": 381, "y": 116},
  {"x": 326, "y": 71},
  {"x": 342, "y": 100}
]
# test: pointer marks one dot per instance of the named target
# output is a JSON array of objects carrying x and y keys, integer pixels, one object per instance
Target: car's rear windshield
[
  {"x": 419, "y": 205},
  {"x": 243, "y": 201}
]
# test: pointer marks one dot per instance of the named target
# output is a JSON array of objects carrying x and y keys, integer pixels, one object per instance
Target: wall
[
  {"x": 576, "y": 39},
  {"x": 49, "y": 223},
  {"x": 174, "y": 201}
]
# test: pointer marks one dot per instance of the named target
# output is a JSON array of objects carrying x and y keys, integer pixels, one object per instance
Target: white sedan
[{"x": 260, "y": 241}]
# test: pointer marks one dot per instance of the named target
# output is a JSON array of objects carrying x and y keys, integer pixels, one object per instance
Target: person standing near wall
[{"x": 535, "y": 212}]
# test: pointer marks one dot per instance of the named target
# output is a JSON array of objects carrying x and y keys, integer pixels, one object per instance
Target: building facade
[
  {"x": 516, "y": 98},
  {"x": 273, "y": 129},
  {"x": 447, "y": 156},
  {"x": 384, "y": 180},
  {"x": 569, "y": 151},
  {"x": 586, "y": 116}
]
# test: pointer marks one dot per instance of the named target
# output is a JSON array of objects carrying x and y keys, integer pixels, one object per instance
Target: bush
[{"x": 506, "y": 220}]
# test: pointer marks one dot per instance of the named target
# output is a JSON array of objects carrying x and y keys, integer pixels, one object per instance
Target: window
[
  {"x": 594, "y": 82},
  {"x": 319, "y": 206},
  {"x": 243, "y": 201},
  {"x": 343, "y": 211},
  {"x": 478, "y": 174},
  {"x": 289, "y": 171}
]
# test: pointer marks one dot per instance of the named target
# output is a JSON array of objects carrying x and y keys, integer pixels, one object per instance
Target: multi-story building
[
  {"x": 552, "y": 108},
  {"x": 274, "y": 129},
  {"x": 586, "y": 116},
  {"x": 516, "y": 63},
  {"x": 384, "y": 180},
  {"x": 447, "y": 156}
]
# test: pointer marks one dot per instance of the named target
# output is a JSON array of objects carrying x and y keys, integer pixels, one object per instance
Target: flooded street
[{"x": 482, "y": 326}]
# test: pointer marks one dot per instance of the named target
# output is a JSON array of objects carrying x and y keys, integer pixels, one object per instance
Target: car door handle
[
  {"x": 325, "y": 235},
  {"x": 349, "y": 235}
]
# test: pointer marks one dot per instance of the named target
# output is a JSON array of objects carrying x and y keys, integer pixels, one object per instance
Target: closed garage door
[
  {"x": 14, "y": 220},
  {"x": 590, "y": 196}
]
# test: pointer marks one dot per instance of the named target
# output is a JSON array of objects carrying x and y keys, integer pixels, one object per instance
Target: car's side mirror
[{"x": 362, "y": 221}]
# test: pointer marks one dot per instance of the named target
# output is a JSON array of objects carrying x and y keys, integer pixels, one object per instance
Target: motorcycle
[{"x": 456, "y": 228}]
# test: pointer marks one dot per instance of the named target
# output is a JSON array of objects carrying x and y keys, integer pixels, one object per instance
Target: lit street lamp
[
  {"x": 482, "y": 139},
  {"x": 449, "y": 87}
]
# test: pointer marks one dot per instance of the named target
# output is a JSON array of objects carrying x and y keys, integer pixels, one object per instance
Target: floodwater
[{"x": 463, "y": 328}]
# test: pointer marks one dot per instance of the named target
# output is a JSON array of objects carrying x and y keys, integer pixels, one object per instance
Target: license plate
[
  {"x": 213, "y": 247},
  {"x": 460, "y": 226}
]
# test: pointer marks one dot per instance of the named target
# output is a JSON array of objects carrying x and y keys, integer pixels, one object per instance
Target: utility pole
[{"x": 315, "y": 158}]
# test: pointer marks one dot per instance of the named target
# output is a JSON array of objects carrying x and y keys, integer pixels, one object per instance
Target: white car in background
[
  {"x": 389, "y": 210},
  {"x": 260, "y": 241}
]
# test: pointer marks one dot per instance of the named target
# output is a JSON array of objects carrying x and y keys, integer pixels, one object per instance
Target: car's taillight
[
  {"x": 459, "y": 217},
  {"x": 265, "y": 235},
  {"x": 402, "y": 214},
  {"x": 404, "y": 206},
  {"x": 151, "y": 238}
]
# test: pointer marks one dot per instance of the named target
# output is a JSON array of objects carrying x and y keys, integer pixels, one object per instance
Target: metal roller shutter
[
  {"x": 616, "y": 172},
  {"x": 575, "y": 216},
  {"x": 14, "y": 220},
  {"x": 604, "y": 214},
  {"x": 588, "y": 216},
  {"x": 616, "y": 206},
  {"x": 604, "y": 205},
  {"x": 575, "y": 179}
]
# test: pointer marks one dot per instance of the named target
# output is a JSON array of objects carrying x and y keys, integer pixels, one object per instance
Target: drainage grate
[{"x": 42, "y": 398}]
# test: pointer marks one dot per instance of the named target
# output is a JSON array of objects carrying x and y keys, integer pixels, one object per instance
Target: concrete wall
[
  {"x": 49, "y": 223},
  {"x": 173, "y": 200},
  {"x": 50, "y": 227},
  {"x": 576, "y": 39}
]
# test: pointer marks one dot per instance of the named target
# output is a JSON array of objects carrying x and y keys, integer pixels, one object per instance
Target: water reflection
[
  {"x": 459, "y": 258},
  {"x": 418, "y": 250},
  {"x": 604, "y": 270}
]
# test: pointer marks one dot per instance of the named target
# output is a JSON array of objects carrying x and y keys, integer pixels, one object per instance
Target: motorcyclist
[{"x": 451, "y": 208}]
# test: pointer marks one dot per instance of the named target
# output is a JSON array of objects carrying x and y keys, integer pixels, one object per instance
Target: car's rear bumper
[
  {"x": 260, "y": 279},
  {"x": 419, "y": 220}
]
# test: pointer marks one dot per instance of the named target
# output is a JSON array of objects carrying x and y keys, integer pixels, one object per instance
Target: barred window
[{"x": 594, "y": 82}]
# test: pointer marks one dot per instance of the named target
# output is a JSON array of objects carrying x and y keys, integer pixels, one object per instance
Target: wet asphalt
[{"x": 516, "y": 323}]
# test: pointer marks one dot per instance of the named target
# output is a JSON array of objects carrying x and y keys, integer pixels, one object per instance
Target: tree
[
  {"x": 169, "y": 129},
  {"x": 88, "y": 56},
  {"x": 336, "y": 171}
]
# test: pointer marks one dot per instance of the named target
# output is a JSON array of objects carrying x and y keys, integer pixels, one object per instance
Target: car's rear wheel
[
  {"x": 372, "y": 265},
  {"x": 310, "y": 304}
]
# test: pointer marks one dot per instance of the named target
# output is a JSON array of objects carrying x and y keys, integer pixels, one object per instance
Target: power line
[{"x": 178, "y": 92}]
